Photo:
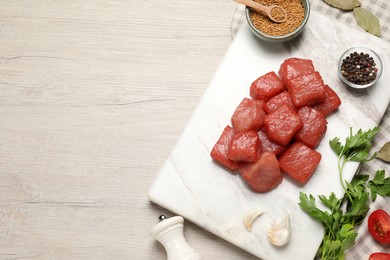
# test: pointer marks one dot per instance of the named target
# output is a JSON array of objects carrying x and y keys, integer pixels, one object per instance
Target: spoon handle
[
  {"x": 254, "y": 5},
  {"x": 266, "y": 10}
]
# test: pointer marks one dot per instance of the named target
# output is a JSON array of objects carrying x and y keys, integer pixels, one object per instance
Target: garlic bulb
[
  {"x": 250, "y": 216},
  {"x": 280, "y": 233}
]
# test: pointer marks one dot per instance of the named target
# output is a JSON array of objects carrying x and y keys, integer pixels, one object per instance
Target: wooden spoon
[{"x": 266, "y": 10}]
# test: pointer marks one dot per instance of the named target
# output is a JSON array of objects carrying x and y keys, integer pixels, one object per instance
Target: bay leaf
[
  {"x": 367, "y": 20},
  {"x": 384, "y": 152},
  {"x": 344, "y": 4}
]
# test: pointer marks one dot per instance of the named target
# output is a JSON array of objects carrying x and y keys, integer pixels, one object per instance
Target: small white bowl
[{"x": 371, "y": 53}]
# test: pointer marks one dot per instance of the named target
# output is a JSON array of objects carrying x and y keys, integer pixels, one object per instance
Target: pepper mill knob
[
  {"x": 169, "y": 232},
  {"x": 162, "y": 217}
]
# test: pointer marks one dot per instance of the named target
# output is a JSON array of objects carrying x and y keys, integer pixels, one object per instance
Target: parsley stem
[{"x": 341, "y": 163}]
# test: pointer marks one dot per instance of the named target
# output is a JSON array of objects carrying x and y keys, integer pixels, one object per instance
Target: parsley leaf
[
  {"x": 336, "y": 145},
  {"x": 332, "y": 202},
  {"x": 349, "y": 235},
  {"x": 379, "y": 185},
  {"x": 309, "y": 206}
]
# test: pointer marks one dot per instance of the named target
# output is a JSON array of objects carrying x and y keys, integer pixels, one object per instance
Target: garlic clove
[
  {"x": 280, "y": 233},
  {"x": 250, "y": 216}
]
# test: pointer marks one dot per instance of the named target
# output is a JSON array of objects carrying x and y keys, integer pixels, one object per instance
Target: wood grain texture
[{"x": 93, "y": 96}]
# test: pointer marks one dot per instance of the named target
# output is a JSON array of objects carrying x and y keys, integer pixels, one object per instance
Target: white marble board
[{"x": 190, "y": 184}]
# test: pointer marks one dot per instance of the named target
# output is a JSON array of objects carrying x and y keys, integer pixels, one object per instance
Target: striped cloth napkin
[{"x": 365, "y": 245}]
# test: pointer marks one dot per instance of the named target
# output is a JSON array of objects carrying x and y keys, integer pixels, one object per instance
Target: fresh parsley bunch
[{"x": 344, "y": 214}]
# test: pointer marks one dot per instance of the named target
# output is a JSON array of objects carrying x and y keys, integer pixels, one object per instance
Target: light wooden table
[{"x": 93, "y": 96}]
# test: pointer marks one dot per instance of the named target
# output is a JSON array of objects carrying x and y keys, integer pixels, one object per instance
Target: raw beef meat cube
[
  {"x": 245, "y": 147},
  {"x": 263, "y": 175},
  {"x": 268, "y": 145},
  {"x": 331, "y": 103},
  {"x": 281, "y": 125},
  {"x": 299, "y": 162},
  {"x": 249, "y": 115},
  {"x": 266, "y": 86},
  {"x": 307, "y": 90},
  {"x": 314, "y": 127},
  {"x": 277, "y": 101},
  {"x": 294, "y": 67},
  {"x": 220, "y": 150}
]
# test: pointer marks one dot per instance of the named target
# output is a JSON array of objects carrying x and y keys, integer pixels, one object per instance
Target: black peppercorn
[{"x": 359, "y": 68}]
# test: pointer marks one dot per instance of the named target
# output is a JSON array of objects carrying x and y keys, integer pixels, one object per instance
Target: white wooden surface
[{"x": 93, "y": 96}]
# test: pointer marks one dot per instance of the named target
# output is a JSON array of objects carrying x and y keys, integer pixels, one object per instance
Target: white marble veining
[{"x": 193, "y": 186}]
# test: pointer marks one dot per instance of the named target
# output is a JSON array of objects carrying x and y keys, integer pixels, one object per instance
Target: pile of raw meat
[{"x": 279, "y": 127}]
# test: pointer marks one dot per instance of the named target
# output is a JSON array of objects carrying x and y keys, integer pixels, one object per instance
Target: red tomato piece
[
  {"x": 379, "y": 226},
  {"x": 245, "y": 147},
  {"x": 294, "y": 67},
  {"x": 249, "y": 115},
  {"x": 331, "y": 103},
  {"x": 220, "y": 150},
  {"x": 278, "y": 101},
  {"x": 281, "y": 125},
  {"x": 299, "y": 162},
  {"x": 307, "y": 90},
  {"x": 263, "y": 175},
  {"x": 379, "y": 256},
  {"x": 314, "y": 127},
  {"x": 266, "y": 86},
  {"x": 270, "y": 146}
]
